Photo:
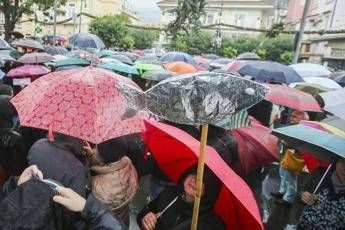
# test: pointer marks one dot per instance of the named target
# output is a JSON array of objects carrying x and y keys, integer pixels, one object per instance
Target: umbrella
[
  {"x": 86, "y": 40},
  {"x": 4, "y": 44},
  {"x": 120, "y": 68},
  {"x": 335, "y": 121},
  {"x": 293, "y": 98},
  {"x": 35, "y": 58},
  {"x": 210, "y": 56},
  {"x": 339, "y": 77},
  {"x": 180, "y": 67},
  {"x": 324, "y": 127},
  {"x": 311, "y": 88},
  {"x": 28, "y": 43},
  {"x": 131, "y": 56},
  {"x": 55, "y": 50},
  {"x": 321, "y": 144},
  {"x": 6, "y": 57},
  {"x": 256, "y": 147},
  {"x": 139, "y": 52},
  {"x": 311, "y": 70},
  {"x": 175, "y": 151},
  {"x": 59, "y": 57},
  {"x": 2, "y": 74},
  {"x": 27, "y": 71},
  {"x": 79, "y": 53},
  {"x": 16, "y": 34},
  {"x": 266, "y": 71},
  {"x": 72, "y": 61},
  {"x": 81, "y": 102},
  {"x": 325, "y": 82},
  {"x": 248, "y": 56},
  {"x": 220, "y": 63},
  {"x": 200, "y": 60},
  {"x": 178, "y": 56},
  {"x": 106, "y": 53},
  {"x": 122, "y": 58},
  {"x": 334, "y": 102},
  {"x": 153, "y": 62},
  {"x": 223, "y": 71},
  {"x": 105, "y": 60},
  {"x": 234, "y": 65},
  {"x": 13, "y": 53},
  {"x": 142, "y": 68},
  {"x": 66, "y": 67},
  {"x": 157, "y": 75},
  {"x": 148, "y": 57}
]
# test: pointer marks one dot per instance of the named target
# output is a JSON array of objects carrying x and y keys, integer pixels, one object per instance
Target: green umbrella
[
  {"x": 311, "y": 88},
  {"x": 13, "y": 53},
  {"x": 119, "y": 67},
  {"x": 72, "y": 61},
  {"x": 147, "y": 67},
  {"x": 106, "y": 53}
]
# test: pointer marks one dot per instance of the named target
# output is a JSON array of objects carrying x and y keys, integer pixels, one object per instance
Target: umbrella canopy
[
  {"x": 220, "y": 63},
  {"x": 35, "y": 58},
  {"x": 178, "y": 56},
  {"x": 72, "y": 61},
  {"x": 335, "y": 122},
  {"x": 153, "y": 62},
  {"x": 158, "y": 75},
  {"x": 131, "y": 56},
  {"x": 339, "y": 77},
  {"x": 120, "y": 68},
  {"x": 325, "y": 82},
  {"x": 180, "y": 67},
  {"x": 292, "y": 98},
  {"x": 266, "y": 71},
  {"x": 4, "y": 44},
  {"x": 6, "y": 57},
  {"x": 210, "y": 56},
  {"x": 86, "y": 40},
  {"x": 79, "y": 53},
  {"x": 17, "y": 34},
  {"x": 200, "y": 60},
  {"x": 323, "y": 145},
  {"x": 2, "y": 74},
  {"x": 106, "y": 60},
  {"x": 142, "y": 68},
  {"x": 81, "y": 102},
  {"x": 234, "y": 65},
  {"x": 148, "y": 57},
  {"x": 256, "y": 147},
  {"x": 311, "y": 70},
  {"x": 55, "y": 50},
  {"x": 106, "y": 53},
  {"x": 311, "y": 88},
  {"x": 121, "y": 58},
  {"x": 324, "y": 127},
  {"x": 175, "y": 151},
  {"x": 248, "y": 56},
  {"x": 13, "y": 53},
  {"x": 139, "y": 52},
  {"x": 28, "y": 43},
  {"x": 334, "y": 102},
  {"x": 28, "y": 70},
  {"x": 59, "y": 57}
]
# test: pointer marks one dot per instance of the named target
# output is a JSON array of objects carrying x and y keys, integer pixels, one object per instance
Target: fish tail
[{"x": 135, "y": 99}]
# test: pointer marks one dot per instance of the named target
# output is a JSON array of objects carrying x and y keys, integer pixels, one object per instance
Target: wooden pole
[{"x": 199, "y": 176}]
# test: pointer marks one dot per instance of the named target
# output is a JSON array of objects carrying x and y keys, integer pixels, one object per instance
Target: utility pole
[
  {"x": 55, "y": 14},
  {"x": 333, "y": 13},
  {"x": 301, "y": 31},
  {"x": 81, "y": 11}
]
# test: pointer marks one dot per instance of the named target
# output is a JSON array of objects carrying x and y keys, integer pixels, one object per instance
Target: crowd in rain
[{"x": 85, "y": 130}]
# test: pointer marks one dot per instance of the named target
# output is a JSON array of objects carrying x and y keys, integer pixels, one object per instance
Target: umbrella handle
[
  {"x": 323, "y": 177},
  {"x": 199, "y": 176}
]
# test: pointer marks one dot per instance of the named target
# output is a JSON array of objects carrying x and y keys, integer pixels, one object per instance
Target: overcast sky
[{"x": 147, "y": 10}]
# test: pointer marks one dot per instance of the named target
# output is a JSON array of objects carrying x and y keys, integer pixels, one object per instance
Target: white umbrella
[
  {"x": 311, "y": 70},
  {"x": 325, "y": 82},
  {"x": 59, "y": 57}
]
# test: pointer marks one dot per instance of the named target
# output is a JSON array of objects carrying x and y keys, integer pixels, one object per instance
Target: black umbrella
[
  {"x": 248, "y": 56},
  {"x": 158, "y": 75},
  {"x": 55, "y": 50},
  {"x": 273, "y": 72},
  {"x": 122, "y": 58},
  {"x": 210, "y": 56},
  {"x": 86, "y": 40},
  {"x": 131, "y": 56},
  {"x": 339, "y": 77}
]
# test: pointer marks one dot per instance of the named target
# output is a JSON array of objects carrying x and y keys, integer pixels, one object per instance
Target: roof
[{"x": 329, "y": 37}]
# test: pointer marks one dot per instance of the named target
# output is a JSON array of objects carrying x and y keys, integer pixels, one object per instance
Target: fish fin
[{"x": 135, "y": 99}]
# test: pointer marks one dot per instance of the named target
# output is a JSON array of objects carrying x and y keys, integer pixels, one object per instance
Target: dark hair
[
  {"x": 112, "y": 150},
  {"x": 6, "y": 90}
]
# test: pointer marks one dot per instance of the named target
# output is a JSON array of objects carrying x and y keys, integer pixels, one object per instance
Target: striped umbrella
[
  {"x": 293, "y": 98},
  {"x": 235, "y": 121}
]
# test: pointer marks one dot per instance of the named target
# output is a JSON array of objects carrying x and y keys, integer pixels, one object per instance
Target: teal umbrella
[
  {"x": 72, "y": 61},
  {"x": 106, "y": 53},
  {"x": 119, "y": 67},
  {"x": 322, "y": 145}
]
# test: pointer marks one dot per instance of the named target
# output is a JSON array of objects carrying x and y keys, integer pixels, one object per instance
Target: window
[
  {"x": 239, "y": 19},
  {"x": 210, "y": 18},
  {"x": 71, "y": 10}
]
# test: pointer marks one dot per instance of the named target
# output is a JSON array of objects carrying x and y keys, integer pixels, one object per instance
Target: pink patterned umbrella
[
  {"x": 27, "y": 71},
  {"x": 35, "y": 58},
  {"x": 81, "y": 102}
]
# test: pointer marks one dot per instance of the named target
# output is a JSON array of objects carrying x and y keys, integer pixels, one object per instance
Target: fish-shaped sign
[{"x": 203, "y": 98}]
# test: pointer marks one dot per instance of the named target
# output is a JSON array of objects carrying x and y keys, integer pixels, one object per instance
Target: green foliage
[
  {"x": 194, "y": 43},
  {"x": 276, "y": 46},
  {"x": 286, "y": 57},
  {"x": 275, "y": 30},
  {"x": 112, "y": 30},
  {"x": 261, "y": 52},
  {"x": 188, "y": 14},
  {"x": 144, "y": 39},
  {"x": 241, "y": 44},
  {"x": 229, "y": 52}
]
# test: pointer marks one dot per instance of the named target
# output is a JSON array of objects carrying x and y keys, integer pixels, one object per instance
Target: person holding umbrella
[{"x": 327, "y": 208}]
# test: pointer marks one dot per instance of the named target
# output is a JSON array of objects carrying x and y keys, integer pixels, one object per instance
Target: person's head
[
  {"x": 112, "y": 150},
  {"x": 340, "y": 169},
  {"x": 7, "y": 111},
  {"x": 6, "y": 90},
  {"x": 296, "y": 116}
]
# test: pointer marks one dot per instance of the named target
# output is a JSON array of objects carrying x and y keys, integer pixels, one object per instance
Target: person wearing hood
[
  {"x": 61, "y": 159},
  {"x": 181, "y": 200},
  {"x": 326, "y": 209}
]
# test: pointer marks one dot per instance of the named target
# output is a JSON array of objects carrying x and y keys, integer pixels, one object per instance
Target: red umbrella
[
  {"x": 234, "y": 65},
  {"x": 81, "y": 102},
  {"x": 176, "y": 151},
  {"x": 293, "y": 98},
  {"x": 256, "y": 147},
  {"x": 27, "y": 71}
]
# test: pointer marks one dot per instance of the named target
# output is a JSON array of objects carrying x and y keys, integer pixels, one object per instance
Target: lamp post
[
  {"x": 55, "y": 14},
  {"x": 81, "y": 11}
]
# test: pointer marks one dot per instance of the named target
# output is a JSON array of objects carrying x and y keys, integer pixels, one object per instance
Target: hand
[
  {"x": 28, "y": 173},
  {"x": 89, "y": 152},
  {"x": 149, "y": 221},
  {"x": 70, "y": 199},
  {"x": 308, "y": 198}
]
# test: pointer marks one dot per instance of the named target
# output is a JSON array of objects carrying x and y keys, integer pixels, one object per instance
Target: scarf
[{"x": 338, "y": 185}]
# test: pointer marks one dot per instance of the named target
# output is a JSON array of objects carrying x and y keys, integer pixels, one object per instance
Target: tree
[
  {"x": 144, "y": 39},
  {"x": 188, "y": 14},
  {"x": 112, "y": 30},
  {"x": 14, "y": 10},
  {"x": 229, "y": 52},
  {"x": 193, "y": 43}
]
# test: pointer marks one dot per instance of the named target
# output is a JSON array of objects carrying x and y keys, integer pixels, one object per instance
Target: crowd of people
[{"x": 63, "y": 182}]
